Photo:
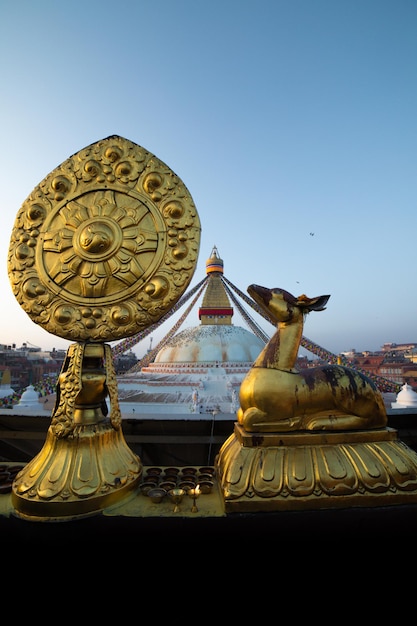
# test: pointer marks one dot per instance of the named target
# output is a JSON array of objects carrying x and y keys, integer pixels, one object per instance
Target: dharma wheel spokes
[{"x": 102, "y": 248}]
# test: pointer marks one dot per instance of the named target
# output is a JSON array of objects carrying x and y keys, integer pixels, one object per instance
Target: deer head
[{"x": 282, "y": 306}]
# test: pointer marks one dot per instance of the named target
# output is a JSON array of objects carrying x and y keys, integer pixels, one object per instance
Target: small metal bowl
[
  {"x": 206, "y": 486},
  {"x": 146, "y": 486},
  {"x": 153, "y": 471},
  {"x": 186, "y": 485},
  {"x": 207, "y": 470},
  {"x": 189, "y": 471},
  {"x": 176, "y": 494},
  {"x": 167, "y": 484},
  {"x": 171, "y": 471},
  {"x": 204, "y": 477},
  {"x": 157, "y": 494}
]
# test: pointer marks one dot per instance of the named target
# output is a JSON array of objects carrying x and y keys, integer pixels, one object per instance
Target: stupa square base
[{"x": 259, "y": 472}]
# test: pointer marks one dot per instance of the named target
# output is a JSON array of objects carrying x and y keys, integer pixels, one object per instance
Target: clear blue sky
[{"x": 283, "y": 118}]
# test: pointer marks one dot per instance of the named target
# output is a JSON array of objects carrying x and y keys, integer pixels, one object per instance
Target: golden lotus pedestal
[
  {"x": 77, "y": 476},
  {"x": 315, "y": 470},
  {"x": 85, "y": 464}
]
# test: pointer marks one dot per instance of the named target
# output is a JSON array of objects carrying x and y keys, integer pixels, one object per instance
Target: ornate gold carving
[
  {"x": 105, "y": 245},
  {"x": 86, "y": 379},
  {"x": 76, "y": 476},
  {"x": 275, "y": 396},
  {"x": 313, "y": 438},
  {"x": 85, "y": 463},
  {"x": 302, "y": 471}
]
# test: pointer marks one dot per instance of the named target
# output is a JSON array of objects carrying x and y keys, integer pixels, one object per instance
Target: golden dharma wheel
[{"x": 105, "y": 245}]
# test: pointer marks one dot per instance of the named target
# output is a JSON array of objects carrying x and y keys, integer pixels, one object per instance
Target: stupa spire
[
  {"x": 214, "y": 263},
  {"x": 215, "y": 307}
]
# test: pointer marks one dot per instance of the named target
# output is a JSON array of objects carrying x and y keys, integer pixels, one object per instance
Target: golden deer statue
[{"x": 274, "y": 396}]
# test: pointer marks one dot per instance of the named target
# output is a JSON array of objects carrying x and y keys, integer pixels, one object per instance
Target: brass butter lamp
[{"x": 101, "y": 249}]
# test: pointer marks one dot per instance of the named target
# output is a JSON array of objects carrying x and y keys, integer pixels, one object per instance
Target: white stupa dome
[
  {"x": 199, "y": 369},
  {"x": 29, "y": 398},
  {"x": 216, "y": 340},
  {"x": 211, "y": 344},
  {"x": 406, "y": 398}
]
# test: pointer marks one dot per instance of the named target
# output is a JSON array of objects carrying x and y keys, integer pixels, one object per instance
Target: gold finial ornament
[{"x": 102, "y": 248}]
